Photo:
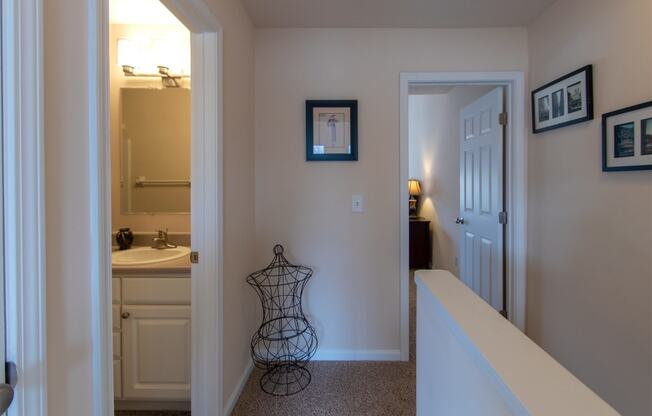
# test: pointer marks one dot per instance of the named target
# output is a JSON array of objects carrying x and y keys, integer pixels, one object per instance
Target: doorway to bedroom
[
  {"x": 456, "y": 153},
  {"x": 463, "y": 169}
]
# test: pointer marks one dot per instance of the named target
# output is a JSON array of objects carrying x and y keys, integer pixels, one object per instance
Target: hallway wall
[
  {"x": 67, "y": 197},
  {"x": 353, "y": 297},
  {"x": 590, "y": 232}
]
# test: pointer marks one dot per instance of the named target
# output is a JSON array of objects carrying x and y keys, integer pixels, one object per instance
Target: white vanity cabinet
[{"x": 152, "y": 339}]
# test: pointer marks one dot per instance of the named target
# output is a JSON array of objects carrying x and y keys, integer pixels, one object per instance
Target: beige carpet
[{"x": 344, "y": 388}]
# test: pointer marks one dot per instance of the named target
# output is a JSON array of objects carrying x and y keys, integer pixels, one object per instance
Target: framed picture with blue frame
[
  {"x": 563, "y": 102},
  {"x": 627, "y": 138},
  {"x": 331, "y": 130}
]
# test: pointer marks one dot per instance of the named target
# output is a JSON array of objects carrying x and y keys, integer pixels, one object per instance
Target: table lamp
[{"x": 414, "y": 188}]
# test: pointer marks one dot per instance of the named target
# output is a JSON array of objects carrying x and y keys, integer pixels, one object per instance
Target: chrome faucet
[{"x": 160, "y": 242}]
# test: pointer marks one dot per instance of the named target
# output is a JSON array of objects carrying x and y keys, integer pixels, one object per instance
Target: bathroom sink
[{"x": 146, "y": 255}]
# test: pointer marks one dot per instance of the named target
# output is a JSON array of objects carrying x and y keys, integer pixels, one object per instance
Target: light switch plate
[{"x": 357, "y": 203}]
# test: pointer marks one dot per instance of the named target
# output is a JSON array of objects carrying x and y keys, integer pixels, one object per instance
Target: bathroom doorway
[
  {"x": 156, "y": 157},
  {"x": 150, "y": 131}
]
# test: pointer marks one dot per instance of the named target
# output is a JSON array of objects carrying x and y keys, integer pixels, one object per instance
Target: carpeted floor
[{"x": 344, "y": 388}]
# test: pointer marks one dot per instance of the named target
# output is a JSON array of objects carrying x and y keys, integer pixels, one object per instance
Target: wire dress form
[{"x": 285, "y": 341}]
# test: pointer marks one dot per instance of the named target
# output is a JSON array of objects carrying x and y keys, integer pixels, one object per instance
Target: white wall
[
  {"x": 590, "y": 233},
  {"x": 434, "y": 133},
  {"x": 353, "y": 297},
  {"x": 67, "y": 228}
]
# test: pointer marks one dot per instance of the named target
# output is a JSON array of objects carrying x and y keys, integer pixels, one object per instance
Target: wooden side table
[{"x": 420, "y": 250}]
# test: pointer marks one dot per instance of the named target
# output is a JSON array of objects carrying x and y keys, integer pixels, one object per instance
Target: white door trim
[
  {"x": 24, "y": 216},
  {"x": 206, "y": 44},
  {"x": 515, "y": 187},
  {"x": 207, "y": 225}
]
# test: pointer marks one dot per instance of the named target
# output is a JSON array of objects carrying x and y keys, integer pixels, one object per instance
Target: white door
[
  {"x": 481, "y": 198},
  {"x": 6, "y": 391},
  {"x": 151, "y": 335}
]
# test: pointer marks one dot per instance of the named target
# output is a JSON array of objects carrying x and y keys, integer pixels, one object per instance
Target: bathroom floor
[
  {"x": 344, "y": 388},
  {"x": 151, "y": 413}
]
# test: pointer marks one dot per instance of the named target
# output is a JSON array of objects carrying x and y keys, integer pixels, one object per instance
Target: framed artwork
[
  {"x": 331, "y": 130},
  {"x": 565, "y": 101},
  {"x": 627, "y": 138}
]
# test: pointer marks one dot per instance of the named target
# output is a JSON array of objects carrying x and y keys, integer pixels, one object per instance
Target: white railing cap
[{"x": 541, "y": 384}]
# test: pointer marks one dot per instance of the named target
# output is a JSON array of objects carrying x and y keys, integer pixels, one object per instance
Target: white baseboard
[
  {"x": 357, "y": 355},
  {"x": 233, "y": 399}
]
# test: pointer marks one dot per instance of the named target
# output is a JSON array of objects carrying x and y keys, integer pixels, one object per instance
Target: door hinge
[
  {"x": 194, "y": 257},
  {"x": 502, "y": 217},
  {"x": 502, "y": 119}
]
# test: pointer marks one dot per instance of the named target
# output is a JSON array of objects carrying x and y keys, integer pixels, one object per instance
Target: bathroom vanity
[{"x": 151, "y": 333}]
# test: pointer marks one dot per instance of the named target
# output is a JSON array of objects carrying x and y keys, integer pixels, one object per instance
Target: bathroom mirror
[{"x": 155, "y": 150}]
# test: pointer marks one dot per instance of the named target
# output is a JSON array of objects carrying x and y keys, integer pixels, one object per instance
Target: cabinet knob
[
  {"x": 459, "y": 220},
  {"x": 125, "y": 315}
]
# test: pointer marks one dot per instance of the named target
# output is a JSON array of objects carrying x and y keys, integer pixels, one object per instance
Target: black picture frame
[
  {"x": 569, "y": 105},
  {"x": 640, "y": 128},
  {"x": 352, "y": 105}
]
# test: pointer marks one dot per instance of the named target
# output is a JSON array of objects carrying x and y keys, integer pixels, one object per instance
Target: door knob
[
  {"x": 459, "y": 220},
  {"x": 125, "y": 315},
  {"x": 6, "y": 397}
]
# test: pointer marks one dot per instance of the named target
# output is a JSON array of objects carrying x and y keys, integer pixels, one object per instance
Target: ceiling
[{"x": 394, "y": 13}]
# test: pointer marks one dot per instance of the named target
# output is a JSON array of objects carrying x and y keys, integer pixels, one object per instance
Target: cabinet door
[{"x": 156, "y": 352}]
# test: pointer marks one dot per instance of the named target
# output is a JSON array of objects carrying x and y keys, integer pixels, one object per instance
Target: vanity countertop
[{"x": 172, "y": 267}]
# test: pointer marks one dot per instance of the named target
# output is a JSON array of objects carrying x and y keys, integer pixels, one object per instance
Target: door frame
[
  {"x": 515, "y": 187},
  {"x": 24, "y": 215},
  {"x": 207, "y": 163}
]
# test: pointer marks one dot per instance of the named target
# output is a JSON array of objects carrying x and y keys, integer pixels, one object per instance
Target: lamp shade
[{"x": 414, "y": 187}]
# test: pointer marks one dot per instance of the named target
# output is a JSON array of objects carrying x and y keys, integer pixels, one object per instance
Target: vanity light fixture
[{"x": 169, "y": 80}]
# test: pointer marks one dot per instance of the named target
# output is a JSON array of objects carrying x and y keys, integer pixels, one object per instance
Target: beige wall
[
  {"x": 434, "y": 160},
  {"x": 67, "y": 228},
  {"x": 590, "y": 233},
  {"x": 67, "y": 210},
  {"x": 353, "y": 297},
  {"x": 240, "y": 303},
  {"x": 137, "y": 222}
]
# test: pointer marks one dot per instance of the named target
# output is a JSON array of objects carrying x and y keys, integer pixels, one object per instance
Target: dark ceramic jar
[{"x": 125, "y": 238}]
